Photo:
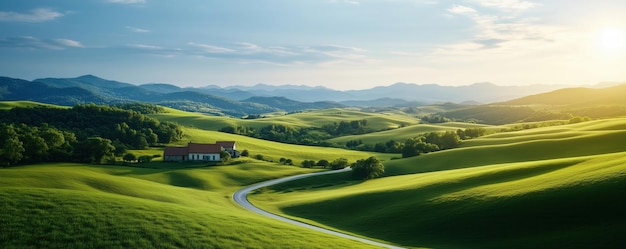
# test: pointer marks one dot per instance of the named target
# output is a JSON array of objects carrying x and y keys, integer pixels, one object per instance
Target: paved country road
[{"x": 240, "y": 198}]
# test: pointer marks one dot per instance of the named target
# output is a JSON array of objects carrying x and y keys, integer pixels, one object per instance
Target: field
[
  {"x": 540, "y": 188},
  {"x": 404, "y": 133},
  {"x": 557, "y": 186},
  {"x": 169, "y": 205},
  {"x": 273, "y": 151},
  {"x": 376, "y": 121},
  {"x": 4, "y": 105},
  {"x": 86, "y": 206}
]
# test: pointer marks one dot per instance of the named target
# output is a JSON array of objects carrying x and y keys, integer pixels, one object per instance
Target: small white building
[{"x": 193, "y": 152}]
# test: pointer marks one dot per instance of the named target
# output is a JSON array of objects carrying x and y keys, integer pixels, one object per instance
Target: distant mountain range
[{"x": 258, "y": 99}]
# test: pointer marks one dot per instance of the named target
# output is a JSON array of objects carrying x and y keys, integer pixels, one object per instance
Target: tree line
[
  {"x": 84, "y": 133},
  {"x": 303, "y": 136},
  {"x": 423, "y": 143}
]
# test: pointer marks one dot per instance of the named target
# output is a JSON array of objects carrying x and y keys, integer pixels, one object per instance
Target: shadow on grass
[{"x": 580, "y": 216}]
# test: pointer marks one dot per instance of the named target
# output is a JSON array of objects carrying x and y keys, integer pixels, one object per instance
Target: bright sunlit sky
[{"x": 341, "y": 44}]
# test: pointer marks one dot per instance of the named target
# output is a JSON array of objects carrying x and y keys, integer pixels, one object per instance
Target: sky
[{"x": 340, "y": 44}]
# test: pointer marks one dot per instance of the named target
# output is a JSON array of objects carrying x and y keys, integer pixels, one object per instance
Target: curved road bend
[{"x": 240, "y": 198}]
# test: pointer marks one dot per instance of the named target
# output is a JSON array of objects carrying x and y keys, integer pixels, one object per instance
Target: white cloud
[
  {"x": 507, "y": 4},
  {"x": 36, "y": 15},
  {"x": 210, "y": 48},
  {"x": 69, "y": 43},
  {"x": 145, "y": 47},
  {"x": 459, "y": 9},
  {"x": 31, "y": 42},
  {"x": 246, "y": 52},
  {"x": 137, "y": 30},
  {"x": 494, "y": 30},
  {"x": 127, "y": 1}
]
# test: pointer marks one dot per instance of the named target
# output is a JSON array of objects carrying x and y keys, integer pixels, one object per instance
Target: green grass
[
  {"x": 5, "y": 105},
  {"x": 85, "y": 206},
  {"x": 152, "y": 151},
  {"x": 549, "y": 187},
  {"x": 168, "y": 205},
  {"x": 274, "y": 151},
  {"x": 553, "y": 187},
  {"x": 317, "y": 118},
  {"x": 404, "y": 133}
]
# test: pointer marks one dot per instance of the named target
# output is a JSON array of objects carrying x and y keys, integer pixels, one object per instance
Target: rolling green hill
[
  {"x": 560, "y": 104},
  {"x": 5, "y": 105},
  {"x": 274, "y": 151},
  {"x": 88, "y": 206},
  {"x": 558, "y": 186},
  {"x": 404, "y": 133},
  {"x": 376, "y": 121},
  {"x": 541, "y": 188},
  {"x": 575, "y": 97},
  {"x": 85, "y": 206}
]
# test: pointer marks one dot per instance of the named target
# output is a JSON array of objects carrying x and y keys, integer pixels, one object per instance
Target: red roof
[
  {"x": 226, "y": 144},
  {"x": 204, "y": 148},
  {"x": 175, "y": 151}
]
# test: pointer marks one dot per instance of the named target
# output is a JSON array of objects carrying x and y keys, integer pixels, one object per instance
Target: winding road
[{"x": 240, "y": 197}]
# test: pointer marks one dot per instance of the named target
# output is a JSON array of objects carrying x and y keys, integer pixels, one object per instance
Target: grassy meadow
[
  {"x": 376, "y": 121},
  {"x": 404, "y": 133},
  {"x": 552, "y": 187},
  {"x": 86, "y": 206},
  {"x": 273, "y": 151},
  {"x": 5, "y": 105},
  {"x": 164, "y": 205}
]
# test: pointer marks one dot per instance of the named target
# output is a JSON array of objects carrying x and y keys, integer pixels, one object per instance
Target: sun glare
[{"x": 612, "y": 40}]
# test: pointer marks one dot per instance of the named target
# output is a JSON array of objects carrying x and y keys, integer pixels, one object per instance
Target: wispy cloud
[
  {"x": 137, "y": 30},
  {"x": 507, "y": 4},
  {"x": 69, "y": 43},
  {"x": 210, "y": 48},
  {"x": 495, "y": 30},
  {"x": 127, "y": 1},
  {"x": 246, "y": 52},
  {"x": 35, "y": 15},
  {"x": 37, "y": 43},
  {"x": 144, "y": 47},
  {"x": 459, "y": 9}
]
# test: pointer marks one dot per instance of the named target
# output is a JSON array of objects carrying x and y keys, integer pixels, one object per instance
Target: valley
[
  {"x": 524, "y": 181},
  {"x": 457, "y": 124}
]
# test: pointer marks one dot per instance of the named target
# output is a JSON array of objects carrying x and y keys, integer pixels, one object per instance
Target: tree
[
  {"x": 380, "y": 147},
  {"x": 129, "y": 157},
  {"x": 11, "y": 152},
  {"x": 224, "y": 156},
  {"x": 144, "y": 159},
  {"x": 245, "y": 153},
  {"x": 308, "y": 163},
  {"x": 449, "y": 140},
  {"x": 288, "y": 161},
  {"x": 141, "y": 142},
  {"x": 323, "y": 163},
  {"x": 120, "y": 148},
  {"x": 35, "y": 147},
  {"x": 11, "y": 148},
  {"x": 367, "y": 168},
  {"x": 339, "y": 163},
  {"x": 94, "y": 149},
  {"x": 416, "y": 146}
]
